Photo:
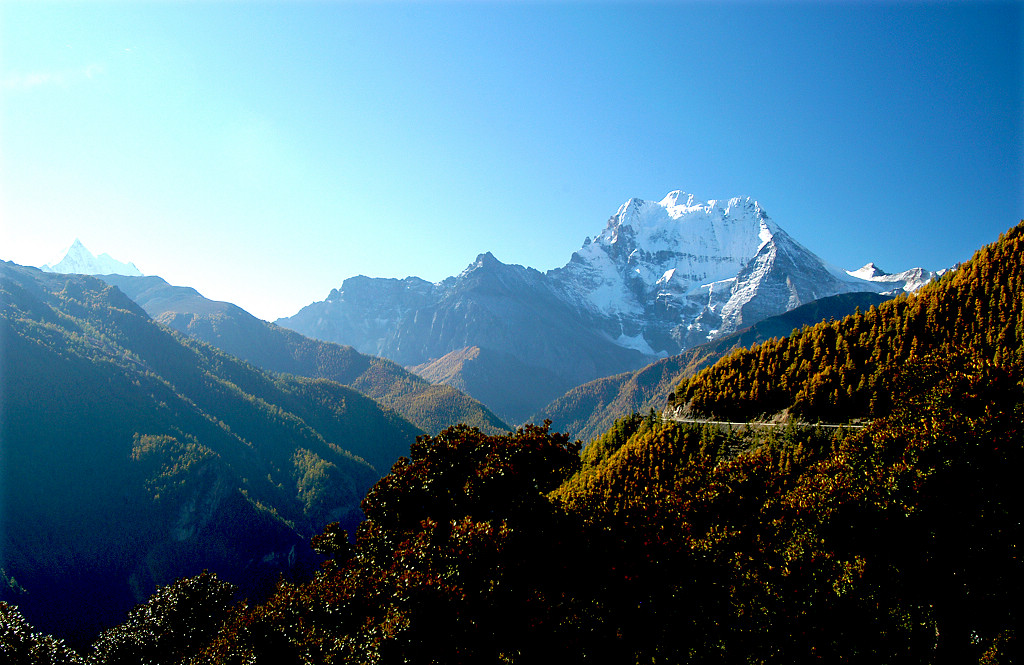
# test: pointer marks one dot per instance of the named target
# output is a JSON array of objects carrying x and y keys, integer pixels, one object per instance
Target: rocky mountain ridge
[{"x": 671, "y": 274}]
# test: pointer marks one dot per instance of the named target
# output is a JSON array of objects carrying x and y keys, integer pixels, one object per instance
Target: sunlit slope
[
  {"x": 843, "y": 369},
  {"x": 587, "y": 411}
]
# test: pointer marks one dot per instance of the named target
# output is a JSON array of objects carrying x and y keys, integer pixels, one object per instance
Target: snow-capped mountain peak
[
  {"x": 907, "y": 280},
  {"x": 678, "y": 240},
  {"x": 80, "y": 260},
  {"x": 681, "y": 270},
  {"x": 869, "y": 271}
]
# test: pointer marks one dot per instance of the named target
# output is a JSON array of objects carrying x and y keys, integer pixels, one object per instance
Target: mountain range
[
  {"x": 435, "y": 394},
  {"x": 662, "y": 277},
  {"x": 429, "y": 406},
  {"x": 133, "y": 452}
]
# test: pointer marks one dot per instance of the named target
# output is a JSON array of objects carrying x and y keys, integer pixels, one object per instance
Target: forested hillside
[
  {"x": 895, "y": 544},
  {"x": 671, "y": 543},
  {"x": 841, "y": 370},
  {"x": 132, "y": 456}
]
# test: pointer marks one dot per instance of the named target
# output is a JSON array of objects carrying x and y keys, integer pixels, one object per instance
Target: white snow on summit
[
  {"x": 869, "y": 271},
  {"x": 79, "y": 260},
  {"x": 678, "y": 243},
  {"x": 908, "y": 280},
  {"x": 679, "y": 271}
]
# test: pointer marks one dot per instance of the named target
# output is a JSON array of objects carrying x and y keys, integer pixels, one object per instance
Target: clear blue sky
[{"x": 263, "y": 152}]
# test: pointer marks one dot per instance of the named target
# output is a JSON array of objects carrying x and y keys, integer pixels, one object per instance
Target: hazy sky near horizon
[{"x": 262, "y": 152}]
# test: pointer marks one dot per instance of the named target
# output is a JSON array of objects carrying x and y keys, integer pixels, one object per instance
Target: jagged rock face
[
  {"x": 365, "y": 312},
  {"x": 546, "y": 344},
  {"x": 651, "y": 269},
  {"x": 782, "y": 276}
]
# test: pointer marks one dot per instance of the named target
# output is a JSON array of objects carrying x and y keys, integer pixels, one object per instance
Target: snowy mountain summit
[
  {"x": 669, "y": 274},
  {"x": 79, "y": 260},
  {"x": 908, "y": 280}
]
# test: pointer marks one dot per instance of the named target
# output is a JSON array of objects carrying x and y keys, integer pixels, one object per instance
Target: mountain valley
[{"x": 143, "y": 454}]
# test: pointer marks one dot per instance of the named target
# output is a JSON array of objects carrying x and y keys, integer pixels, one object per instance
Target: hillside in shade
[
  {"x": 494, "y": 378},
  {"x": 276, "y": 349},
  {"x": 132, "y": 456}
]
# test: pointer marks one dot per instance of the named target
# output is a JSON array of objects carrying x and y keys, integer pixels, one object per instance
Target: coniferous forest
[{"x": 894, "y": 538}]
